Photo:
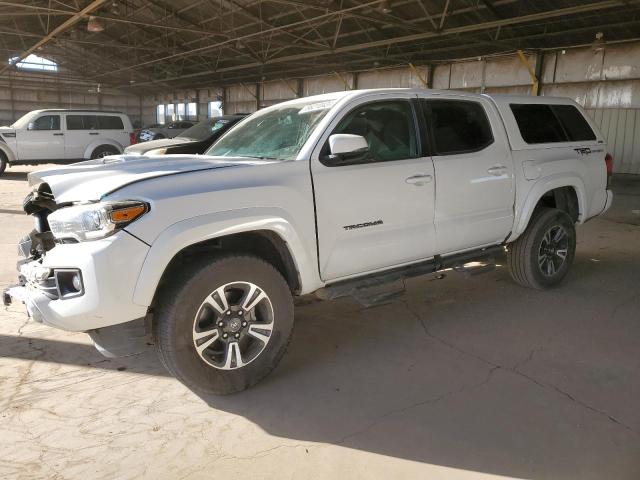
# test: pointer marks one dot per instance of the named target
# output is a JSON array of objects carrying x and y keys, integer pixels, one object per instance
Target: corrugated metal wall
[
  {"x": 621, "y": 127},
  {"x": 607, "y": 82},
  {"x": 25, "y": 92}
]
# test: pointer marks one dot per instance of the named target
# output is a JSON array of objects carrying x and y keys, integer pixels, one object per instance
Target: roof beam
[
  {"x": 594, "y": 6},
  {"x": 244, "y": 37},
  {"x": 58, "y": 30}
]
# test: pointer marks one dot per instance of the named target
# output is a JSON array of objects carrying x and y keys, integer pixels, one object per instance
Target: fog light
[
  {"x": 75, "y": 281},
  {"x": 69, "y": 283}
]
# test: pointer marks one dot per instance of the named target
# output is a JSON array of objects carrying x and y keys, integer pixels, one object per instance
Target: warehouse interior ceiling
[{"x": 151, "y": 45}]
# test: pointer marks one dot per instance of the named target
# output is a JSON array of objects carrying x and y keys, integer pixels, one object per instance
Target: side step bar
[{"x": 358, "y": 287}]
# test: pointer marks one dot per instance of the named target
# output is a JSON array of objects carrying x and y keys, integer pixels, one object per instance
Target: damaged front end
[
  {"x": 33, "y": 276},
  {"x": 77, "y": 270}
]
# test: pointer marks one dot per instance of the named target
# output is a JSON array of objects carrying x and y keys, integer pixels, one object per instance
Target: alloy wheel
[
  {"x": 553, "y": 250},
  {"x": 233, "y": 325}
]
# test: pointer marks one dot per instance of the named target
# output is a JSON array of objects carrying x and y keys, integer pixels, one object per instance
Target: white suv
[
  {"x": 333, "y": 194},
  {"x": 46, "y": 136}
]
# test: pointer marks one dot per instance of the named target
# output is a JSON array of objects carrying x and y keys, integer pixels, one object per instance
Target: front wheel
[
  {"x": 3, "y": 163},
  {"x": 541, "y": 257},
  {"x": 222, "y": 327}
]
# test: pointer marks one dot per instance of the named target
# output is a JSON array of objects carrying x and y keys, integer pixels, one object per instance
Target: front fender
[
  {"x": 207, "y": 227},
  {"x": 101, "y": 141},
  {"x": 536, "y": 192}
]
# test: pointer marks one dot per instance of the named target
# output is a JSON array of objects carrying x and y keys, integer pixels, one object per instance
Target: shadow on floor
[
  {"x": 478, "y": 374},
  {"x": 7, "y": 175},
  {"x": 77, "y": 354},
  {"x": 11, "y": 211}
]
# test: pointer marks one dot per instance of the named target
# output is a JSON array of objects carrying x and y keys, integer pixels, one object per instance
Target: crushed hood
[{"x": 91, "y": 180}]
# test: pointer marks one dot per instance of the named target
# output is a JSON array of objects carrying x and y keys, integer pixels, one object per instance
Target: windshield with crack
[{"x": 277, "y": 133}]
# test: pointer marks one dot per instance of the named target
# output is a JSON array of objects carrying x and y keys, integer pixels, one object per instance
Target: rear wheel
[
  {"x": 103, "y": 151},
  {"x": 222, "y": 327},
  {"x": 541, "y": 257}
]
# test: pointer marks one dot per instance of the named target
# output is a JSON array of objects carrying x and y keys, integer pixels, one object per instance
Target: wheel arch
[
  {"x": 100, "y": 142},
  {"x": 565, "y": 193},
  {"x": 272, "y": 239},
  {"x": 264, "y": 244}
]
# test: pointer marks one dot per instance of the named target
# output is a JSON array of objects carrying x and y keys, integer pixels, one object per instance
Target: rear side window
[
  {"x": 110, "y": 122},
  {"x": 82, "y": 122},
  {"x": 537, "y": 123},
  {"x": 458, "y": 126},
  {"x": 551, "y": 123},
  {"x": 574, "y": 123},
  {"x": 74, "y": 122}
]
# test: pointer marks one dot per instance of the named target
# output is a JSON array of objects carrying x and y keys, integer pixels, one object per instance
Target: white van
[{"x": 46, "y": 136}]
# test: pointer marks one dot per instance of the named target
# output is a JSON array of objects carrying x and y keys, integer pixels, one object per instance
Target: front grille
[
  {"x": 24, "y": 247},
  {"x": 49, "y": 287}
]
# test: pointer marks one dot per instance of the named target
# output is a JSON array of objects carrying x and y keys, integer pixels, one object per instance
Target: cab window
[
  {"x": 457, "y": 126},
  {"x": 46, "y": 122},
  {"x": 388, "y": 127}
]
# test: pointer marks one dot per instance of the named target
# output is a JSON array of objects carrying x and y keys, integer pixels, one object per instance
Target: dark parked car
[
  {"x": 170, "y": 130},
  {"x": 196, "y": 139}
]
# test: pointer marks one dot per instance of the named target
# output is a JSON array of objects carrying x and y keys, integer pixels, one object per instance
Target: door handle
[
  {"x": 497, "y": 170},
  {"x": 94, "y": 133},
  {"x": 58, "y": 134},
  {"x": 420, "y": 179}
]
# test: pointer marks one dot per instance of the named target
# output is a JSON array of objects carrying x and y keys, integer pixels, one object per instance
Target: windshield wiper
[{"x": 259, "y": 158}]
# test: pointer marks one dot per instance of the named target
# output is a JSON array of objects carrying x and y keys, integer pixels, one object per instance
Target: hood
[
  {"x": 91, "y": 180},
  {"x": 5, "y": 128},
  {"x": 143, "y": 147}
]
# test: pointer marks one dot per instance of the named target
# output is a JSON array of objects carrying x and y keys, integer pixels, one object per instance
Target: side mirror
[
  {"x": 31, "y": 126},
  {"x": 345, "y": 143},
  {"x": 348, "y": 148}
]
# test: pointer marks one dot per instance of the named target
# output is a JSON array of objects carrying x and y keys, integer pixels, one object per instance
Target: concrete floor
[{"x": 461, "y": 378}]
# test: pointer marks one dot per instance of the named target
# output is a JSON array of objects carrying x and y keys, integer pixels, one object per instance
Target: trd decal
[{"x": 362, "y": 225}]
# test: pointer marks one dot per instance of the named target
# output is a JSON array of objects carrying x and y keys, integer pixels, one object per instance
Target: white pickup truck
[{"x": 329, "y": 194}]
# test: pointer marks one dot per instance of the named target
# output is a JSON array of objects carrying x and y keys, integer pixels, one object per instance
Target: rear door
[
  {"x": 378, "y": 212},
  {"x": 82, "y": 129},
  {"x": 43, "y": 139},
  {"x": 473, "y": 170}
]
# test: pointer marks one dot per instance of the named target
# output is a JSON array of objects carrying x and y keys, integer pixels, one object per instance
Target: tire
[
  {"x": 190, "y": 309},
  {"x": 3, "y": 163},
  {"x": 535, "y": 258},
  {"x": 103, "y": 151}
]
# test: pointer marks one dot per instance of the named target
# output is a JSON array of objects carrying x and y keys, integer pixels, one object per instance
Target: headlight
[
  {"x": 94, "y": 220},
  {"x": 156, "y": 151}
]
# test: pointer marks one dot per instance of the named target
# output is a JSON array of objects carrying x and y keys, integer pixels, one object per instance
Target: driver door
[
  {"x": 378, "y": 212},
  {"x": 43, "y": 140}
]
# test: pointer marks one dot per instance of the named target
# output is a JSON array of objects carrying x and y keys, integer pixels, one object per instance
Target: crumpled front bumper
[
  {"x": 109, "y": 271},
  {"x": 21, "y": 293}
]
